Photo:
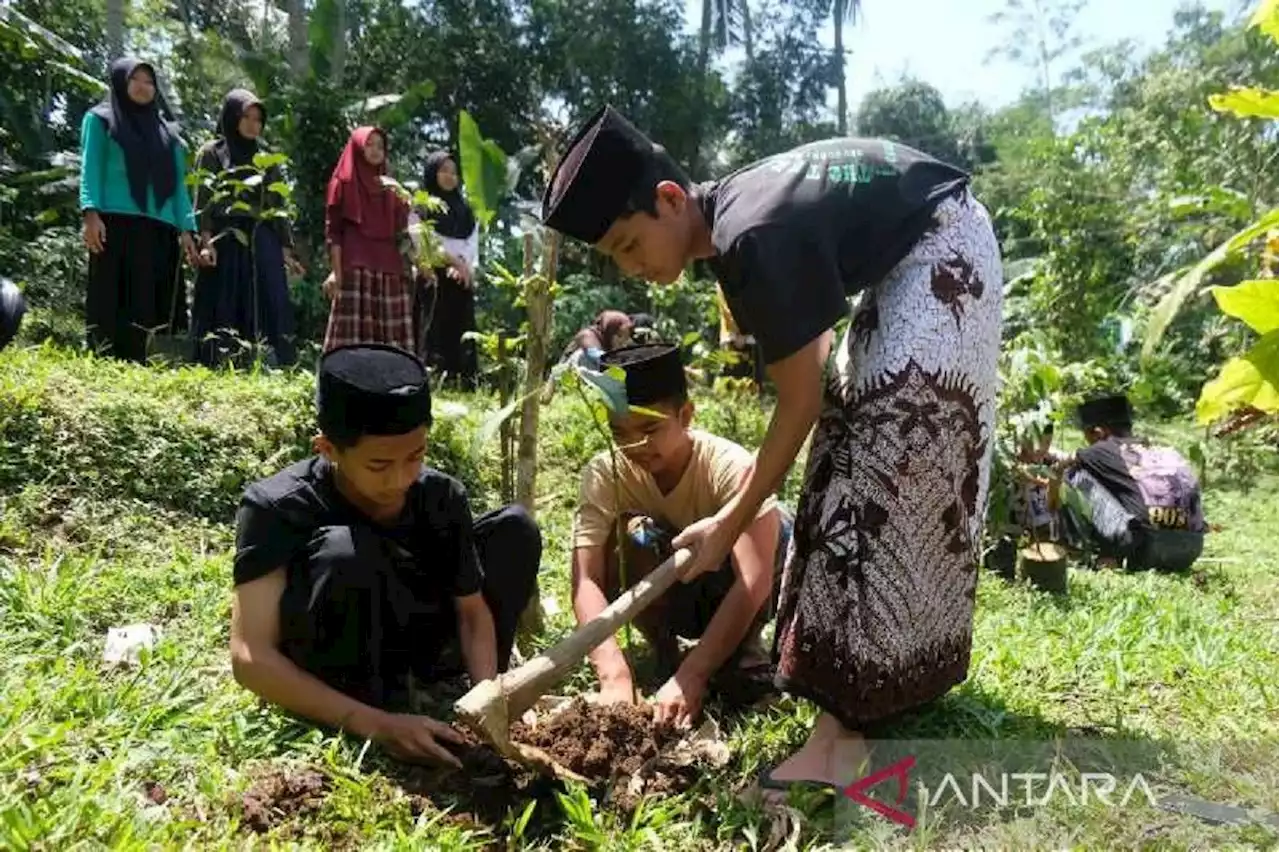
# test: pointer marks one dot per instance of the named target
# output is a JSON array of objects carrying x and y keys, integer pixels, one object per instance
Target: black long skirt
[
  {"x": 236, "y": 305},
  {"x": 136, "y": 289},
  {"x": 443, "y": 323}
]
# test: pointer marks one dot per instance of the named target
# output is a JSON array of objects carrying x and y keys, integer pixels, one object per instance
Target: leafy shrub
[
  {"x": 1236, "y": 461},
  {"x": 739, "y": 416},
  {"x": 51, "y": 270},
  {"x": 188, "y": 439},
  {"x": 685, "y": 306},
  {"x": 452, "y": 447},
  {"x": 583, "y": 295}
]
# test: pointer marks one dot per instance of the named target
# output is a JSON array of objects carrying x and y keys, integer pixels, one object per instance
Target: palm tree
[
  {"x": 298, "y": 58},
  {"x": 724, "y": 22},
  {"x": 115, "y": 27},
  {"x": 323, "y": 52},
  {"x": 842, "y": 12}
]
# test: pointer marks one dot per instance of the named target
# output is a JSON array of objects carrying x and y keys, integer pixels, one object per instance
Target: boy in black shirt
[{"x": 360, "y": 566}]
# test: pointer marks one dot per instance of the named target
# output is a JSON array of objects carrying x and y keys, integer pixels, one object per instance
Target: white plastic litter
[{"x": 126, "y": 644}]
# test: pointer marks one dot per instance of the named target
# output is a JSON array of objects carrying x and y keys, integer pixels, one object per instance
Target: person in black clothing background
[
  {"x": 137, "y": 216},
  {"x": 13, "y": 307},
  {"x": 242, "y": 290},
  {"x": 360, "y": 567},
  {"x": 1141, "y": 502},
  {"x": 447, "y": 307}
]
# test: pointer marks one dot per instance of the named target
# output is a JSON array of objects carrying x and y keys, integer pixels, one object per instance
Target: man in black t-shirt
[
  {"x": 1137, "y": 501},
  {"x": 359, "y": 567}
]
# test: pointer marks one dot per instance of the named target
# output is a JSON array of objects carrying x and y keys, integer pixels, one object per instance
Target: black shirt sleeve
[
  {"x": 1104, "y": 461},
  {"x": 265, "y": 538},
  {"x": 784, "y": 287},
  {"x": 460, "y": 533}
]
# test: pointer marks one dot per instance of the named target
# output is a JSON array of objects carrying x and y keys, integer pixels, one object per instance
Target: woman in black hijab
[
  {"x": 242, "y": 294},
  {"x": 137, "y": 214},
  {"x": 447, "y": 308}
]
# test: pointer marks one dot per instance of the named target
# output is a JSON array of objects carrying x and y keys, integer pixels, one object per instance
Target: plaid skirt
[
  {"x": 876, "y": 611},
  {"x": 371, "y": 307}
]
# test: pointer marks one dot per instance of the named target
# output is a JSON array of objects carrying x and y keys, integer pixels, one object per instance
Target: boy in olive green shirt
[{"x": 670, "y": 476}]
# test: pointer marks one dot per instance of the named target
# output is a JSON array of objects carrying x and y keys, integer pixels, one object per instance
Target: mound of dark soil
[
  {"x": 599, "y": 742},
  {"x": 482, "y": 792}
]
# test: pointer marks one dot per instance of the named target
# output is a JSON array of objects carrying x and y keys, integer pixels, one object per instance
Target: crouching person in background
[
  {"x": 608, "y": 331},
  {"x": 1131, "y": 500},
  {"x": 360, "y": 567}
]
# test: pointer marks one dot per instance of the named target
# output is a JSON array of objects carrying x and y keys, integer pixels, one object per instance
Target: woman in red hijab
[{"x": 372, "y": 302}]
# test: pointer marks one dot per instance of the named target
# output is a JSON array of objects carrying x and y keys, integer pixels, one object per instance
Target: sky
[{"x": 946, "y": 42}]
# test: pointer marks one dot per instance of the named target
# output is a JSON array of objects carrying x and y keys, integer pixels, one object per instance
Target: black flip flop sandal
[{"x": 766, "y": 781}]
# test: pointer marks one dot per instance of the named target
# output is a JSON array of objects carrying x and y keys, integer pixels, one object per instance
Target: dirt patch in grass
[
  {"x": 280, "y": 797},
  {"x": 155, "y": 792},
  {"x": 619, "y": 749},
  {"x": 482, "y": 793}
]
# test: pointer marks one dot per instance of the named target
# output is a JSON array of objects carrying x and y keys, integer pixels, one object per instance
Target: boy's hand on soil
[
  {"x": 679, "y": 701},
  {"x": 415, "y": 738}
]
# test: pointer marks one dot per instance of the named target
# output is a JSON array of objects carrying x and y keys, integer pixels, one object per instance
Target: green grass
[{"x": 116, "y": 491}]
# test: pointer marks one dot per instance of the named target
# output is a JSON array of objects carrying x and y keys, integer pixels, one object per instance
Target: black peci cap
[
  {"x": 654, "y": 371},
  {"x": 1110, "y": 410},
  {"x": 371, "y": 389},
  {"x": 597, "y": 176}
]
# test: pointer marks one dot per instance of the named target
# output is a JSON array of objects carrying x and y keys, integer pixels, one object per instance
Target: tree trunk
[
  {"x": 504, "y": 431},
  {"x": 298, "y": 58},
  {"x": 1043, "y": 44},
  {"x": 704, "y": 56},
  {"x": 338, "y": 58},
  {"x": 115, "y": 28},
  {"x": 842, "y": 95},
  {"x": 747, "y": 44},
  {"x": 537, "y": 295},
  {"x": 704, "y": 39}
]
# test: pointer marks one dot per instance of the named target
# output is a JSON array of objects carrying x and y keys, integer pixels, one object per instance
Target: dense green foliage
[{"x": 1102, "y": 180}]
